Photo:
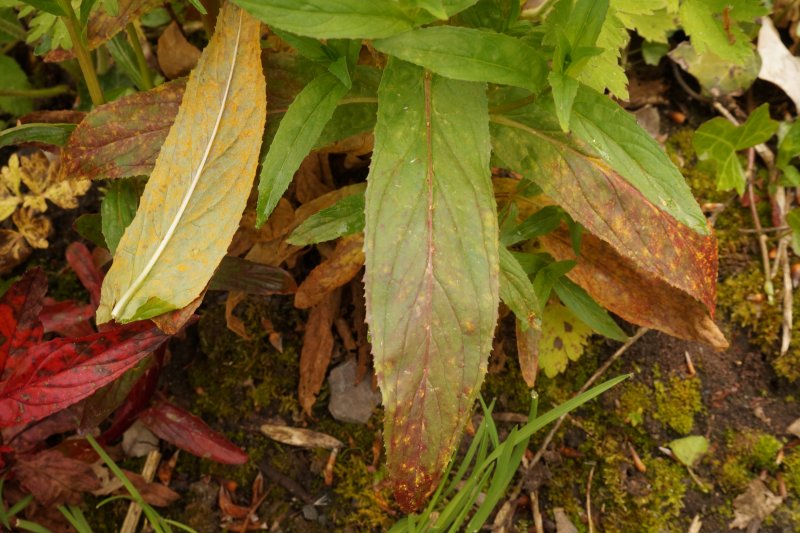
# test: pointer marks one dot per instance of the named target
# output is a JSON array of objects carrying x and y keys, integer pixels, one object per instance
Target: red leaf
[
  {"x": 68, "y": 318},
  {"x": 53, "y": 375},
  {"x": 80, "y": 260},
  {"x": 190, "y": 433},
  {"x": 19, "y": 311}
]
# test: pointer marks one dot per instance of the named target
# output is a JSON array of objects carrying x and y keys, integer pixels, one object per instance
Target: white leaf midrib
[{"x": 118, "y": 309}]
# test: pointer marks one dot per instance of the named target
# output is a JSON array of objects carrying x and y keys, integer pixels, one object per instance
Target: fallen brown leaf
[
  {"x": 176, "y": 55},
  {"x": 334, "y": 272},
  {"x": 528, "y": 353},
  {"x": 317, "y": 349},
  {"x": 304, "y": 438}
]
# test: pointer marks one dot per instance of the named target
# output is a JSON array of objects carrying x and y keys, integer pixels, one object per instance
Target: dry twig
[{"x": 134, "y": 511}]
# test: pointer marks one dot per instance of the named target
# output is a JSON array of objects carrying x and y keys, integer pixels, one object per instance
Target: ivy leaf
[
  {"x": 332, "y": 19},
  {"x": 469, "y": 54},
  {"x": 719, "y": 140},
  {"x": 563, "y": 339},
  {"x": 429, "y": 174},
  {"x": 122, "y": 138},
  {"x": 195, "y": 196},
  {"x": 713, "y": 25},
  {"x": 689, "y": 450},
  {"x": 297, "y": 134}
]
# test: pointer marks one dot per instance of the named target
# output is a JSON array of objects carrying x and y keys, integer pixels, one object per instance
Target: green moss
[
  {"x": 363, "y": 497},
  {"x": 746, "y": 453},
  {"x": 791, "y": 469},
  {"x": 634, "y": 399},
  {"x": 677, "y": 401}
]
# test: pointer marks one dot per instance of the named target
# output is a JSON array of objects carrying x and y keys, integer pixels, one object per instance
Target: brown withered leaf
[
  {"x": 153, "y": 493},
  {"x": 102, "y": 26},
  {"x": 122, "y": 138},
  {"x": 310, "y": 179},
  {"x": 620, "y": 286},
  {"x": 335, "y": 271},
  {"x": 305, "y": 438},
  {"x": 317, "y": 349},
  {"x": 33, "y": 227},
  {"x": 233, "y": 322},
  {"x": 682, "y": 268},
  {"x": 528, "y": 352},
  {"x": 14, "y": 249},
  {"x": 59, "y": 116},
  {"x": 172, "y": 322},
  {"x": 176, "y": 55},
  {"x": 54, "y": 478}
]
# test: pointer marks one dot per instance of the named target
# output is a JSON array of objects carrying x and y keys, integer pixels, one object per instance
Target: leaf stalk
[
  {"x": 133, "y": 37},
  {"x": 82, "y": 52}
]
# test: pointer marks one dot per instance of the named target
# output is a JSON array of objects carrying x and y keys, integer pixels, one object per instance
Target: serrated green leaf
[
  {"x": 118, "y": 209},
  {"x": 298, "y": 133},
  {"x": 54, "y": 134},
  {"x": 689, "y": 450},
  {"x": 580, "y": 21},
  {"x": 470, "y": 54},
  {"x": 516, "y": 291},
  {"x": 587, "y": 310},
  {"x": 431, "y": 299},
  {"x": 496, "y": 15},
  {"x": 718, "y": 140},
  {"x": 345, "y": 217},
  {"x": 604, "y": 70},
  {"x": 194, "y": 198},
  {"x": 331, "y": 19},
  {"x": 564, "y": 338},
  {"x": 13, "y": 77},
  {"x": 630, "y": 150}
]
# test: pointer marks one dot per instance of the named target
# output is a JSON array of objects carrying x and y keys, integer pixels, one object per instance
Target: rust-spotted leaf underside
[
  {"x": 431, "y": 246},
  {"x": 194, "y": 199},
  {"x": 122, "y": 138}
]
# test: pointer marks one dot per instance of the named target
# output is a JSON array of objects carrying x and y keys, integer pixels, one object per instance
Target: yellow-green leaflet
[{"x": 194, "y": 199}]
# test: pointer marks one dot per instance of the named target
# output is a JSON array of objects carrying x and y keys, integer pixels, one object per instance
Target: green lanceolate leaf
[
  {"x": 332, "y": 19},
  {"x": 118, "y": 209},
  {"x": 719, "y": 140},
  {"x": 516, "y": 291},
  {"x": 565, "y": 88},
  {"x": 345, "y": 217},
  {"x": 12, "y": 77},
  {"x": 636, "y": 156},
  {"x": 195, "y": 196},
  {"x": 50, "y": 6},
  {"x": 471, "y": 55},
  {"x": 53, "y": 134},
  {"x": 298, "y": 133},
  {"x": 543, "y": 221},
  {"x": 590, "y": 312},
  {"x": 431, "y": 296}
]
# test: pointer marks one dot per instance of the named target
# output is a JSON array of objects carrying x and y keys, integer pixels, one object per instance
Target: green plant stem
[
  {"x": 82, "y": 53},
  {"x": 133, "y": 37},
  {"x": 7, "y": 47},
  {"x": 35, "y": 93}
]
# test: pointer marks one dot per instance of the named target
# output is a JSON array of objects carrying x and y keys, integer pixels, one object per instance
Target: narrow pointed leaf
[
  {"x": 190, "y": 433},
  {"x": 345, "y": 217},
  {"x": 195, "y": 196},
  {"x": 298, "y": 133},
  {"x": 635, "y": 155},
  {"x": 122, "y": 138},
  {"x": 529, "y": 141},
  {"x": 516, "y": 291},
  {"x": 470, "y": 54},
  {"x": 53, "y": 375},
  {"x": 332, "y": 19},
  {"x": 81, "y": 262},
  {"x": 590, "y": 312},
  {"x": 48, "y": 134},
  {"x": 431, "y": 297}
]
